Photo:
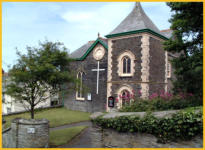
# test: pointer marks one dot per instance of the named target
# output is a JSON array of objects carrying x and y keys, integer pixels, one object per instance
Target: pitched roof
[
  {"x": 82, "y": 52},
  {"x": 136, "y": 20}
]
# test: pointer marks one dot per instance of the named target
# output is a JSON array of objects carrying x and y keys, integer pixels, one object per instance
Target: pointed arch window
[
  {"x": 126, "y": 65},
  {"x": 79, "y": 92}
]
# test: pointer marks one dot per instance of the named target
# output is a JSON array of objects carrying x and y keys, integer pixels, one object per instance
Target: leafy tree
[
  {"x": 39, "y": 74},
  {"x": 187, "y": 25}
]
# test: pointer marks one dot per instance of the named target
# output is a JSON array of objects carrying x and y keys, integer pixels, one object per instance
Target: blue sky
[{"x": 73, "y": 23}]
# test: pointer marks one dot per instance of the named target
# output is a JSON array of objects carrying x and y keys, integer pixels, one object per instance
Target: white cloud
[
  {"x": 102, "y": 20},
  {"x": 78, "y": 16},
  {"x": 106, "y": 17}
]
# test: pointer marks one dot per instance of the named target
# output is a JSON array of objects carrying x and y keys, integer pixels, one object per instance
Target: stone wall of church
[
  {"x": 98, "y": 101},
  {"x": 119, "y": 46},
  {"x": 157, "y": 66}
]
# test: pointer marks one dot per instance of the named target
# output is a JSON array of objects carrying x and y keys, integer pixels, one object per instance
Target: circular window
[{"x": 98, "y": 53}]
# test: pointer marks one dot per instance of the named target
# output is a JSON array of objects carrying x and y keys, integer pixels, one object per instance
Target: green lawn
[
  {"x": 60, "y": 137},
  {"x": 56, "y": 116}
]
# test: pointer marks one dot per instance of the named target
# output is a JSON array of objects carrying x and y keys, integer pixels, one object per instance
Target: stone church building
[{"x": 130, "y": 60}]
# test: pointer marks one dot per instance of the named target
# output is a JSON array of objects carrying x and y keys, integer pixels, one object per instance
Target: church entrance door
[{"x": 125, "y": 98}]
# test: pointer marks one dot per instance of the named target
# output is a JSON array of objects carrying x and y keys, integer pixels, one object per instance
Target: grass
[
  {"x": 63, "y": 136},
  {"x": 56, "y": 116}
]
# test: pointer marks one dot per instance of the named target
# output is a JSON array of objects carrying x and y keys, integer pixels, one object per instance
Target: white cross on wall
[{"x": 98, "y": 69}]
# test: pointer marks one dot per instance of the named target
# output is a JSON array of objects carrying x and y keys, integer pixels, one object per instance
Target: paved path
[{"x": 89, "y": 138}]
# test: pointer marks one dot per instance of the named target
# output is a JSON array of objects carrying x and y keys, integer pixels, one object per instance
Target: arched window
[
  {"x": 126, "y": 65},
  {"x": 79, "y": 92}
]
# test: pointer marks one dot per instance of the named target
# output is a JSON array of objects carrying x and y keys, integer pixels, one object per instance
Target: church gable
[
  {"x": 81, "y": 53},
  {"x": 137, "y": 61},
  {"x": 90, "y": 67}
]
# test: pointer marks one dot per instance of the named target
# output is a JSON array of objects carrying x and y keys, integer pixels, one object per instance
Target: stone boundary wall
[
  {"x": 7, "y": 141},
  {"x": 40, "y": 108},
  {"x": 159, "y": 114},
  {"x": 26, "y": 134}
]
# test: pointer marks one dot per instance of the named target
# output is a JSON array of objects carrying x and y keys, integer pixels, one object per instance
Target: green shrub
[{"x": 183, "y": 125}]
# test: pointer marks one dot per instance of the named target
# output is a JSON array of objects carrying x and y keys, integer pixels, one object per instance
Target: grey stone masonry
[
  {"x": 27, "y": 134},
  {"x": 133, "y": 44},
  {"x": 98, "y": 101},
  {"x": 158, "y": 114}
]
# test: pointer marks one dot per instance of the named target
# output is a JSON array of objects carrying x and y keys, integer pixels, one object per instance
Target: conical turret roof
[{"x": 136, "y": 20}]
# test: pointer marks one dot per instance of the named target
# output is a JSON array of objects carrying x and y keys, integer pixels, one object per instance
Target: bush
[
  {"x": 159, "y": 103},
  {"x": 183, "y": 125}
]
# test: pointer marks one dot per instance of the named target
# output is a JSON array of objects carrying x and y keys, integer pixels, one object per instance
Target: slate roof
[
  {"x": 83, "y": 49},
  {"x": 136, "y": 20}
]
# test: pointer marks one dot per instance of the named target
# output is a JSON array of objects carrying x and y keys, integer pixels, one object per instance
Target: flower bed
[{"x": 161, "y": 101}]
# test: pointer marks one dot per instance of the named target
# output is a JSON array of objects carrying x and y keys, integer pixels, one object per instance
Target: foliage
[
  {"x": 162, "y": 101},
  {"x": 63, "y": 136},
  {"x": 187, "y": 25},
  {"x": 182, "y": 125},
  {"x": 39, "y": 74},
  {"x": 158, "y": 104},
  {"x": 56, "y": 116}
]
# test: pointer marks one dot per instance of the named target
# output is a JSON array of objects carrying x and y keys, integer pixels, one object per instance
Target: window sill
[
  {"x": 80, "y": 98},
  {"x": 125, "y": 75}
]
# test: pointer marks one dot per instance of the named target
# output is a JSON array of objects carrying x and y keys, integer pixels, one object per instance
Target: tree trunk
[{"x": 32, "y": 112}]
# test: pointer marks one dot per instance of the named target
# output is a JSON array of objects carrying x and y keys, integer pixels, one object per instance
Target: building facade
[
  {"x": 129, "y": 61},
  {"x": 11, "y": 105}
]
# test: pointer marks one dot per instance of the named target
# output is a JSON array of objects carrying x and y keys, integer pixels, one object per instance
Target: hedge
[{"x": 182, "y": 125}]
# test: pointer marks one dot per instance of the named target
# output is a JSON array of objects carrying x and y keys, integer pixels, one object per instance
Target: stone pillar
[
  {"x": 30, "y": 133},
  {"x": 145, "y": 66},
  {"x": 109, "y": 73}
]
